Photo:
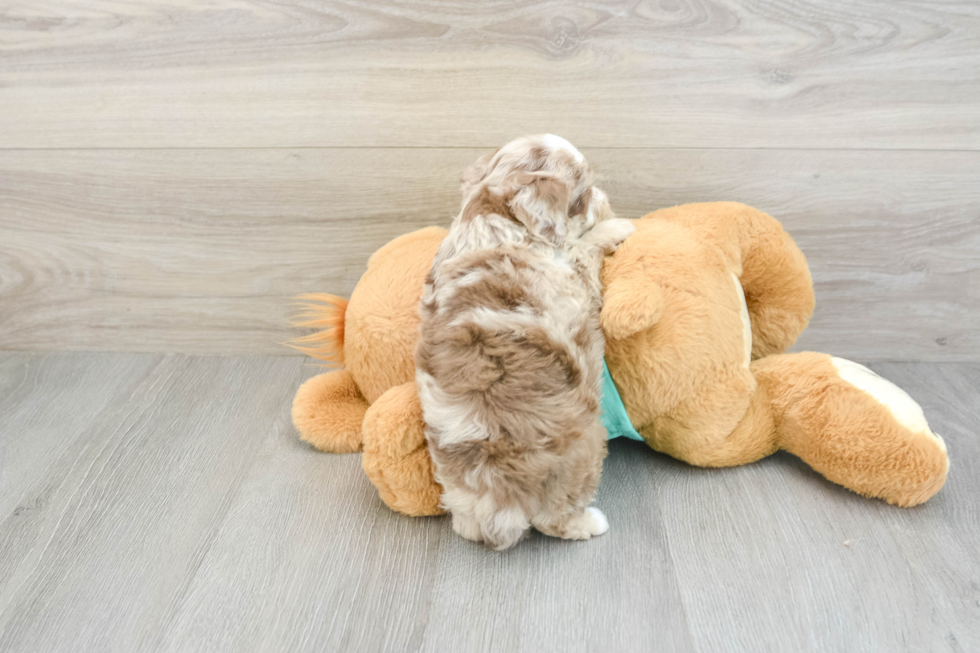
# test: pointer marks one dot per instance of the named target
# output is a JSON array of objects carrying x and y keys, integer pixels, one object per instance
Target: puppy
[{"x": 509, "y": 358}]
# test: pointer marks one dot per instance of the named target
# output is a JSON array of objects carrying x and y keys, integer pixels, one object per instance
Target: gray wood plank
[
  {"x": 46, "y": 403},
  {"x": 201, "y": 250},
  {"x": 352, "y": 575},
  {"x": 717, "y": 73},
  {"x": 124, "y": 515},
  {"x": 308, "y": 559},
  {"x": 617, "y": 592},
  {"x": 942, "y": 544},
  {"x": 778, "y": 559},
  {"x": 186, "y": 516},
  {"x": 950, "y": 396}
]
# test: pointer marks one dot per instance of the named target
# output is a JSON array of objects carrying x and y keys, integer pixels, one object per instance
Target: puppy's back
[
  {"x": 504, "y": 346},
  {"x": 504, "y": 376}
]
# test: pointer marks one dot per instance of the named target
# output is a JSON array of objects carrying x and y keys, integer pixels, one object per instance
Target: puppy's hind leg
[
  {"x": 461, "y": 505},
  {"x": 505, "y": 527},
  {"x": 466, "y": 526},
  {"x": 566, "y": 512},
  {"x": 478, "y": 518}
]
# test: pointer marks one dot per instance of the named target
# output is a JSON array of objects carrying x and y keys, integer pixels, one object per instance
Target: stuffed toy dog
[{"x": 698, "y": 307}]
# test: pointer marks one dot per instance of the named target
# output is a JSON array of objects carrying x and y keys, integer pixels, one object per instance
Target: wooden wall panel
[
  {"x": 200, "y": 250},
  {"x": 684, "y": 73}
]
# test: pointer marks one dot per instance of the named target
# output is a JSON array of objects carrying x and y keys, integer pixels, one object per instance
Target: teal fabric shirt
[{"x": 614, "y": 416}]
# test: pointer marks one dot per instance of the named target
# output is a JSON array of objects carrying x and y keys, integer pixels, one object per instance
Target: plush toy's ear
[
  {"x": 540, "y": 203},
  {"x": 631, "y": 300}
]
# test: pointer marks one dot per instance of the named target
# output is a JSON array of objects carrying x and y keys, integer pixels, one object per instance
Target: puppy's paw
[
  {"x": 588, "y": 523},
  {"x": 599, "y": 522},
  {"x": 609, "y": 234}
]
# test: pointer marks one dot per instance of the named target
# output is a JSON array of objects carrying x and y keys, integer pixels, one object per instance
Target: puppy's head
[{"x": 545, "y": 183}]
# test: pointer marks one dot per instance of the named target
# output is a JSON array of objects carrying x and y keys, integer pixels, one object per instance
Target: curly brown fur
[{"x": 509, "y": 358}]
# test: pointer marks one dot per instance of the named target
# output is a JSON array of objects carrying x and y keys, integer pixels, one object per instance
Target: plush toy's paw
[
  {"x": 854, "y": 427},
  {"x": 631, "y": 301},
  {"x": 328, "y": 411},
  {"x": 629, "y": 308},
  {"x": 395, "y": 455}
]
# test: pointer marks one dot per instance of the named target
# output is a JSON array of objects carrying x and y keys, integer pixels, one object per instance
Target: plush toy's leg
[
  {"x": 776, "y": 280},
  {"x": 328, "y": 411},
  {"x": 395, "y": 455},
  {"x": 729, "y": 423},
  {"x": 775, "y": 276},
  {"x": 854, "y": 427}
]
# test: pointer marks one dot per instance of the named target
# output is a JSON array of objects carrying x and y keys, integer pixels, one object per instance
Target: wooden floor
[{"x": 163, "y": 503}]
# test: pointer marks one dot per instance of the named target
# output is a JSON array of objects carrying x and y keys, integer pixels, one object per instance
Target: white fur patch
[
  {"x": 469, "y": 279},
  {"x": 505, "y": 526},
  {"x": 493, "y": 320},
  {"x": 477, "y": 517},
  {"x": 448, "y": 290},
  {"x": 558, "y": 324},
  {"x": 746, "y": 322},
  {"x": 451, "y": 420},
  {"x": 599, "y": 202},
  {"x": 559, "y": 143},
  {"x": 599, "y": 521},
  {"x": 467, "y": 527},
  {"x": 589, "y": 523},
  {"x": 905, "y": 410},
  {"x": 560, "y": 258}
]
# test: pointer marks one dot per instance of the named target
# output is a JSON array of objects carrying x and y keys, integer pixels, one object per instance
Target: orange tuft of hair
[{"x": 325, "y": 313}]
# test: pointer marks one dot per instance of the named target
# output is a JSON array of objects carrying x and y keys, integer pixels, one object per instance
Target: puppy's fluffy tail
[{"x": 326, "y": 313}]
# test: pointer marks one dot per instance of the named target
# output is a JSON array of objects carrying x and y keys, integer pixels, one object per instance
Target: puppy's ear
[
  {"x": 476, "y": 173},
  {"x": 540, "y": 203}
]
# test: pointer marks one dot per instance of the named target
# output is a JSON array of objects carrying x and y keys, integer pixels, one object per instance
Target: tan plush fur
[
  {"x": 395, "y": 455},
  {"x": 329, "y": 410},
  {"x": 326, "y": 313},
  {"x": 509, "y": 359},
  {"x": 683, "y": 375},
  {"x": 677, "y": 348}
]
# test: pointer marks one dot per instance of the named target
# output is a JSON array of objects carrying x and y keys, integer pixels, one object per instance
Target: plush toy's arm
[{"x": 631, "y": 301}]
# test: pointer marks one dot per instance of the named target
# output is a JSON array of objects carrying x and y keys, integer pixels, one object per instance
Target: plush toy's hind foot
[
  {"x": 396, "y": 458},
  {"x": 328, "y": 412},
  {"x": 854, "y": 427}
]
